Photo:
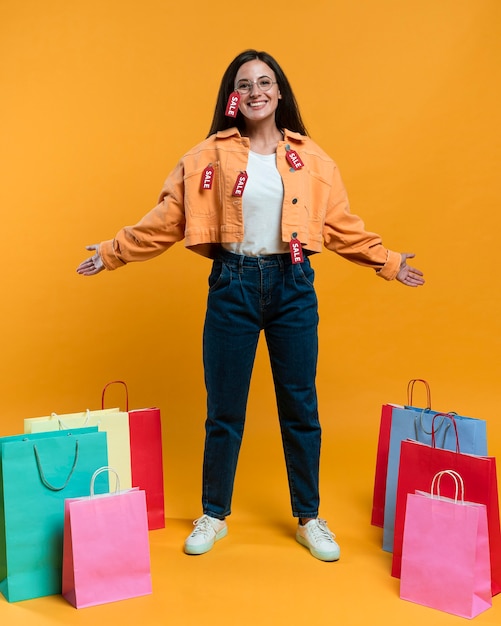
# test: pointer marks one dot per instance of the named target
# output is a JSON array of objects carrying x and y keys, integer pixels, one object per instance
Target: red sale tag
[
  {"x": 207, "y": 178},
  {"x": 240, "y": 183},
  {"x": 294, "y": 159},
  {"x": 232, "y": 104},
  {"x": 296, "y": 249}
]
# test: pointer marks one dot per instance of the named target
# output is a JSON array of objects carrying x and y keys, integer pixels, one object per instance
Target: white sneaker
[
  {"x": 207, "y": 531},
  {"x": 316, "y": 536}
]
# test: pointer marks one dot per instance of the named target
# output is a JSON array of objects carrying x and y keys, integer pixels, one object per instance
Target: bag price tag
[
  {"x": 207, "y": 178},
  {"x": 239, "y": 186},
  {"x": 232, "y": 104},
  {"x": 296, "y": 249}
]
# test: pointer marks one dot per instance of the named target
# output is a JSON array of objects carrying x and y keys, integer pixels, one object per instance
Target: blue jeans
[{"x": 247, "y": 295}]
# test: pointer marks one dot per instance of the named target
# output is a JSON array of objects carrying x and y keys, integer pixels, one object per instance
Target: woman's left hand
[{"x": 407, "y": 275}]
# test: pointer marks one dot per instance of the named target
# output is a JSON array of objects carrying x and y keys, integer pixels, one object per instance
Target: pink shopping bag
[
  {"x": 106, "y": 554},
  {"x": 445, "y": 552},
  {"x": 419, "y": 463}
]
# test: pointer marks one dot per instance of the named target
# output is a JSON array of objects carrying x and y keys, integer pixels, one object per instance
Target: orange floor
[{"x": 258, "y": 574}]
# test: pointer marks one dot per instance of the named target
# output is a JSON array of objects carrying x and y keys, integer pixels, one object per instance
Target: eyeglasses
[{"x": 264, "y": 84}]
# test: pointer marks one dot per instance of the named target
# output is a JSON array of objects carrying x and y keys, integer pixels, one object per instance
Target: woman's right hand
[{"x": 93, "y": 265}]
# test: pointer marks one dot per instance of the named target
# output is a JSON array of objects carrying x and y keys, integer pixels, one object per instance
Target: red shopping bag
[
  {"x": 145, "y": 430},
  {"x": 445, "y": 557},
  {"x": 419, "y": 463},
  {"x": 383, "y": 449},
  {"x": 106, "y": 555}
]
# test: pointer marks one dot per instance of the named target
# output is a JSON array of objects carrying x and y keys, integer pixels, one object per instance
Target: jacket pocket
[
  {"x": 318, "y": 196},
  {"x": 200, "y": 200}
]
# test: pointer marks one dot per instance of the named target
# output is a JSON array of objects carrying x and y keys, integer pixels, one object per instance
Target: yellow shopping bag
[{"x": 113, "y": 422}]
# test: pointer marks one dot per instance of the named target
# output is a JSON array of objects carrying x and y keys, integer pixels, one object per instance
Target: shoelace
[
  {"x": 202, "y": 526},
  {"x": 320, "y": 531}
]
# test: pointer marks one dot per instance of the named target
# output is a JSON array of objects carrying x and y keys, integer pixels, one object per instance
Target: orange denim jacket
[{"x": 315, "y": 206}]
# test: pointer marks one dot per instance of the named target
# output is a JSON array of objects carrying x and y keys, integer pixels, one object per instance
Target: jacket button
[{"x": 294, "y": 200}]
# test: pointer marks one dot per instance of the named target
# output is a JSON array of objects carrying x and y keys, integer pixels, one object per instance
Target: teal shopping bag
[{"x": 37, "y": 473}]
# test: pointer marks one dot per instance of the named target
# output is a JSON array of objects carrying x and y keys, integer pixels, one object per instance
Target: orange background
[{"x": 98, "y": 101}]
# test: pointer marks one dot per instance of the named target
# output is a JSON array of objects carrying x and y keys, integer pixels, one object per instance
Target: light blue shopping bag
[{"x": 408, "y": 423}]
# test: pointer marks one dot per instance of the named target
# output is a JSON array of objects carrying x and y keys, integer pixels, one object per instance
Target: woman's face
[{"x": 257, "y": 105}]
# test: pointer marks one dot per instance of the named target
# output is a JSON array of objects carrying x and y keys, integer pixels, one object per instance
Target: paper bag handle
[
  {"x": 410, "y": 389},
  {"x": 458, "y": 481},
  {"x": 63, "y": 426},
  {"x": 433, "y": 430},
  {"x": 105, "y": 468},
  {"x": 45, "y": 482},
  {"x": 114, "y": 382}
]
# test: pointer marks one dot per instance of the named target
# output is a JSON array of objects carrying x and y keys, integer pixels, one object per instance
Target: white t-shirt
[{"x": 262, "y": 209}]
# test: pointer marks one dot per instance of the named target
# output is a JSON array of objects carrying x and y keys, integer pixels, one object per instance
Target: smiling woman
[
  {"x": 259, "y": 197},
  {"x": 97, "y": 99}
]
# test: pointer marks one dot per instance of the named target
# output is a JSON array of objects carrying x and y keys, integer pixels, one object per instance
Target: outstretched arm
[
  {"x": 93, "y": 265},
  {"x": 407, "y": 275}
]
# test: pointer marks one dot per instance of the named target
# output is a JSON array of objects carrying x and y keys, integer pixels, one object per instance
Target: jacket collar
[
  {"x": 234, "y": 132},
  {"x": 289, "y": 134}
]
